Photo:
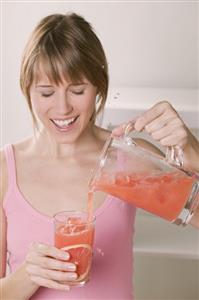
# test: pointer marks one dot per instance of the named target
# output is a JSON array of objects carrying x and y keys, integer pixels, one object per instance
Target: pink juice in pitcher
[{"x": 164, "y": 195}]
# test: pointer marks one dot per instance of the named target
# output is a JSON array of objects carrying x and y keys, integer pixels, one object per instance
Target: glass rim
[{"x": 72, "y": 212}]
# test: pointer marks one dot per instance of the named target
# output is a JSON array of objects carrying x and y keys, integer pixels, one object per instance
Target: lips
[{"x": 64, "y": 124}]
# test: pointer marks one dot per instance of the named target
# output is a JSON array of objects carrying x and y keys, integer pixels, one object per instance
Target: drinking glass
[{"x": 74, "y": 233}]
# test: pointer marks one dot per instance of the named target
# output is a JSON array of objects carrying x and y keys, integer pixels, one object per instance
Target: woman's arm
[
  {"x": 191, "y": 160},
  {"x": 17, "y": 285},
  {"x": 43, "y": 266}
]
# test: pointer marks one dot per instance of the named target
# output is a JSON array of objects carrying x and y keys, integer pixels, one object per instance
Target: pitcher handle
[
  {"x": 175, "y": 155},
  {"x": 128, "y": 127}
]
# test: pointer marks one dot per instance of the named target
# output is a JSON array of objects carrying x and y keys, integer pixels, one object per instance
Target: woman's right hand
[{"x": 48, "y": 266}]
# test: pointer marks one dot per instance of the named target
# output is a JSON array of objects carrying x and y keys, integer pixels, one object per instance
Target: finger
[
  {"x": 173, "y": 127},
  {"x": 50, "y": 263},
  {"x": 163, "y": 120},
  {"x": 124, "y": 127},
  {"x": 118, "y": 131},
  {"x": 171, "y": 133},
  {"x": 50, "y": 283},
  {"x": 151, "y": 114},
  {"x": 50, "y": 274},
  {"x": 52, "y": 251},
  {"x": 172, "y": 140},
  {"x": 164, "y": 132}
]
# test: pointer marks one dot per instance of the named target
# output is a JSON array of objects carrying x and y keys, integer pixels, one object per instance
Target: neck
[{"x": 48, "y": 147}]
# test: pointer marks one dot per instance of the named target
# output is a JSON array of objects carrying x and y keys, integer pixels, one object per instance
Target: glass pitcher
[{"x": 157, "y": 184}]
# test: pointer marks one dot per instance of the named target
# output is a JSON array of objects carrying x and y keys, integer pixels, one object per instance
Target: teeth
[{"x": 63, "y": 122}]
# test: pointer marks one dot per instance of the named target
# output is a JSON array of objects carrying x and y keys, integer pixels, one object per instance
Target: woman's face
[{"x": 65, "y": 110}]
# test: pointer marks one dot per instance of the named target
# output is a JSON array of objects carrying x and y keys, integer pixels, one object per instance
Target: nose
[{"x": 63, "y": 105}]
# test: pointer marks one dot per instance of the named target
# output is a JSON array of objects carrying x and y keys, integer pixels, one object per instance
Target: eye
[
  {"x": 77, "y": 92},
  {"x": 47, "y": 95}
]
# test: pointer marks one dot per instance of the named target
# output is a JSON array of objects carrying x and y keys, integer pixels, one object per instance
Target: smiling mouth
[{"x": 64, "y": 124}]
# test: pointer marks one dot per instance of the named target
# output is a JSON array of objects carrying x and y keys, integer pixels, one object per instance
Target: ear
[{"x": 97, "y": 97}]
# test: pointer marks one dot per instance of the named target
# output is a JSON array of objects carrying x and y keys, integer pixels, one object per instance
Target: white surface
[
  {"x": 125, "y": 103},
  {"x": 166, "y": 260},
  {"x": 157, "y": 236},
  {"x": 126, "y": 97},
  {"x": 166, "y": 278}
]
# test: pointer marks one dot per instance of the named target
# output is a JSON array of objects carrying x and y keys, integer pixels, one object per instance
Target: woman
[{"x": 64, "y": 77}]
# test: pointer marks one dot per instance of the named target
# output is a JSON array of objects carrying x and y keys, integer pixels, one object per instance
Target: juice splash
[
  {"x": 76, "y": 237},
  {"x": 161, "y": 194}
]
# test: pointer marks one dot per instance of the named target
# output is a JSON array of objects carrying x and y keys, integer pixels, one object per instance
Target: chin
[{"x": 66, "y": 138}]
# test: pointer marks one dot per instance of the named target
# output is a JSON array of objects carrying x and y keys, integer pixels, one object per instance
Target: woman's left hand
[{"x": 164, "y": 124}]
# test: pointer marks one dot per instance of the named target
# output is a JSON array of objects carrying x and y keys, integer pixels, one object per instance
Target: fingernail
[
  {"x": 139, "y": 124},
  {"x": 65, "y": 255}
]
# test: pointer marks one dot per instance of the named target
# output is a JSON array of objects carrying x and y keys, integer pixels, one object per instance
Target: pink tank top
[{"x": 112, "y": 268}]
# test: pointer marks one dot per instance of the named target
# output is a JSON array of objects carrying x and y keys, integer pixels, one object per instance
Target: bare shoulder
[
  {"x": 102, "y": 133},
  {"x": 147, "y": 145},
  {"x": 23, "y": 145},
  {"x": 20, "y": 146}
]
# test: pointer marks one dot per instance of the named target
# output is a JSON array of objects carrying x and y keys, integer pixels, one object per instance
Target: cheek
[
  {"x": 87, "y": 106},
  {"x": 38, "y": 107},
  {"x": 88, "y": 103},
  {"x": 33, "y": 103}
]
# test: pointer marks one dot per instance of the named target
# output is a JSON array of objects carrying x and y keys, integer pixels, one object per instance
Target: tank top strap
[{"x": 11, "y": 167}]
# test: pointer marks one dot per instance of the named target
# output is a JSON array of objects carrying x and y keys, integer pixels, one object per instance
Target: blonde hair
[{"x": 66, "y": 47}]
